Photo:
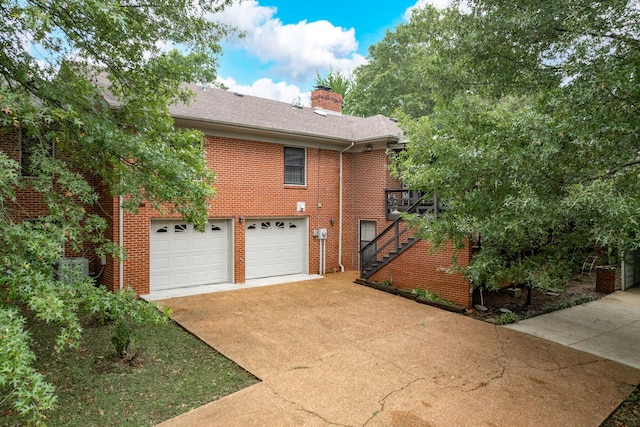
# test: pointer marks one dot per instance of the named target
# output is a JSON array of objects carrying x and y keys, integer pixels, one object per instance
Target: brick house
[{"x": 299, "y": 192}]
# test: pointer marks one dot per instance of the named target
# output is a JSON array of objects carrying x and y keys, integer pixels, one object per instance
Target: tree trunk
[{"x": 528, "y": 303}]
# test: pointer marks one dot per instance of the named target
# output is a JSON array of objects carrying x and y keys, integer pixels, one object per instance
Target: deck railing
[{"x": 398, "y": 236}]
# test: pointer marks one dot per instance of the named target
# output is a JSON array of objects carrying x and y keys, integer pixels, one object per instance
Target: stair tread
[{"x": 371, "y": 269}]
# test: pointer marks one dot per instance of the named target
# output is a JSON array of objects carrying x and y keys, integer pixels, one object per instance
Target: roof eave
[{"x": 244, "y": 131}]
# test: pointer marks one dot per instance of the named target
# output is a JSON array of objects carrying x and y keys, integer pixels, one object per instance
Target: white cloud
[
  {"x": 267, "y": 88},
  {"x": 246, "y": 15},
  {"x": 298, "y": 49}
]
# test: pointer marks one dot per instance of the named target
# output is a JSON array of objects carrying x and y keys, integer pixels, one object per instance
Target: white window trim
[{"x": 285, "y": 167}]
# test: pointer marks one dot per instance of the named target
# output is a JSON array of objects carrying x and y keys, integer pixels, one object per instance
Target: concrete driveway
[
  {"x": 608, "y": 327},
  {"x": 330, "y": 352}
]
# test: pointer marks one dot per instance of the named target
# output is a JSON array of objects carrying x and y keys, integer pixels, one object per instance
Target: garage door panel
[
  {"x": 199, "y": 245},
  {"x": 180, "y": 282},
  {"x": 182, "y": 256},
  {"x": 199, "y": 277},
  {"x": 181, "y": 262},
  {"x": 161, "y": 261},
  {"x": 275, "y": 247},
  {"x": 201, "y": 261},
  {"x": 214, "y": 252},
  {"x": 162, "y": 281},
  {"x": 181, "y": 245},
  {"x": 163, "y": 245}
]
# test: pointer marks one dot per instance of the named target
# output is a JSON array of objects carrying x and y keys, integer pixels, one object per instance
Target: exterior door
[{"x": 367, "y": 234}]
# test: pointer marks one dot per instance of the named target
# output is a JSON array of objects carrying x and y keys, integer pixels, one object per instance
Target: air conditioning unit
[{"x": 69, "y": 269}]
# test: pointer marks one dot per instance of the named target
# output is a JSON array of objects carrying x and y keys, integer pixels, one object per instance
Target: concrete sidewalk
[
  {"x": 330, "y": 352},
  {"x": 608, "y": 327}
]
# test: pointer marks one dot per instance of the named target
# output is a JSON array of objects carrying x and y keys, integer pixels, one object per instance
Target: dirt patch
[
  {"x": 580, "y": 289},
  {"x": 113, "y": 364}
]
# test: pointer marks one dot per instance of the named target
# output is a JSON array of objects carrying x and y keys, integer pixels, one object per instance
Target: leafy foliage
[
  {"x": 398, "y": 74},
  {"x": 30, "y": 392},
  {"x": 59, "y": 62},
  {"x": 533, "y": 139},
  {"x": 424, "y": 293},
  {"x": 507, "y": 318},
  {"x": 338, "y": 81},
  {"x": 121, "y": 338}
]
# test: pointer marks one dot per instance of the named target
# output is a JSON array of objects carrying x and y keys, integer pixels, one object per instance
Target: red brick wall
[
  {"x": 249, "y": 183},
  {"x": 417, "y": 268},
  {"x": 136, "y": 244},
  {"x": 366, "y": 175},
  {"x": 108, "y": 209}
]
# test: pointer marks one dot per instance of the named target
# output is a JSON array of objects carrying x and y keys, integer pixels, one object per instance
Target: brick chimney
[{"x": 324, "y": 97}]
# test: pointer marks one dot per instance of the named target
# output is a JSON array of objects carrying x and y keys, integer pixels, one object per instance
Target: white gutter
[
  {"x": 340, "y": 214},
  {"x": 120, "y": 243}
]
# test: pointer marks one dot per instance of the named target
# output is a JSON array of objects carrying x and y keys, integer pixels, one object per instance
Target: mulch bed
[{"x": 579, "y": 287}]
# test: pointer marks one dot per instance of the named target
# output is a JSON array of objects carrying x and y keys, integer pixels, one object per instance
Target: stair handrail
[{"x": 394, "y": 225}]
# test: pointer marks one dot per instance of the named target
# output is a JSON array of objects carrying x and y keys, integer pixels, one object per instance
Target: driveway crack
[
  {"x": 308, "y": 411},
  {"x": 382, "y": 402},
  {"x": 560, "y": 367},
  {"x": 490, "y": 380}
]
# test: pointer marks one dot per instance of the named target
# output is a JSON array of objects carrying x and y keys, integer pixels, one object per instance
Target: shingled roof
[
  {"x": 220, "y": 109},
  {"x": 230, "y": 113}
]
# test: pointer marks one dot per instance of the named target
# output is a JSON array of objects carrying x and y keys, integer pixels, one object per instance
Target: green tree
[
  {"x": 533, "y": 142},
  {"x": 397, "y": 75},
  {"x": 57, "y": 60}
]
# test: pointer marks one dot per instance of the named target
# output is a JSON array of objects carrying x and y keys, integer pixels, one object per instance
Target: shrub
[{"x": 506, "y": 318}]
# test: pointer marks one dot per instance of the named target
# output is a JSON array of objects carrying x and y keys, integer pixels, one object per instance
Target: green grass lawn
[
  {"x": 628, "y": 414},
  {"x": 169, "y": 373}
]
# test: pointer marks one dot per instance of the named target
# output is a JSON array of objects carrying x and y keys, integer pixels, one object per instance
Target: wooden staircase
[{"x": 394, "y": 240}]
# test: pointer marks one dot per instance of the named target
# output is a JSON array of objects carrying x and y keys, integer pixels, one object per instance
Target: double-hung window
[{"x": 294, "y": 166}]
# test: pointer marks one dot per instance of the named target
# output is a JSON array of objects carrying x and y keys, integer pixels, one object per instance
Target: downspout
[
  {"x": 120, "y": 244},
  {"x": 320, "y": 269},
  {"x": 340, "y": 213}
]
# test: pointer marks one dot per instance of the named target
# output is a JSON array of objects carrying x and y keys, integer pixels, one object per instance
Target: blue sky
[{"x": 287, "y": 41}]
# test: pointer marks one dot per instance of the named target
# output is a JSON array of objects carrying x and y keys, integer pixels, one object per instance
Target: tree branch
[
  {"x": 611, "y": 36},
  {"x": 626, "y": 165}
]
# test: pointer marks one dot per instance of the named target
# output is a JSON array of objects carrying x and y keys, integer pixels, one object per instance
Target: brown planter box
[
  {"x": 605, "y": 279},
  {"x": 438, "y": 304},
  {"x": 407, "y": 294},
  {"x": 379, "y": 286}
]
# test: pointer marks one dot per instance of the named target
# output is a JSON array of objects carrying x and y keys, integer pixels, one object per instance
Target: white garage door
[
  {"x": 182, "y": 256},
  {"x": 275, "y": 247}
]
